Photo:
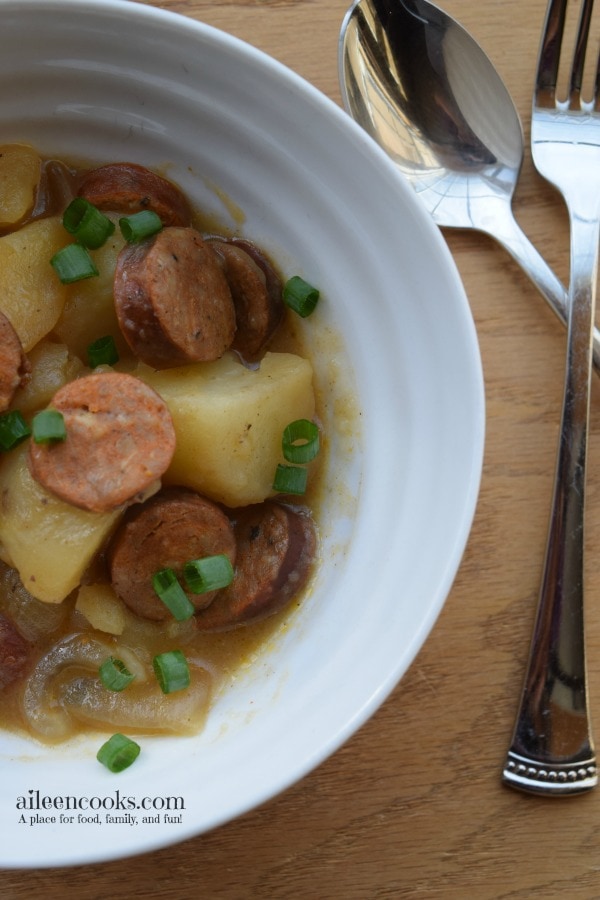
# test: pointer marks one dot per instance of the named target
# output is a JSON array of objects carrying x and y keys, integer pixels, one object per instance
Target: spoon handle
[{"x": 509, "y": 234}]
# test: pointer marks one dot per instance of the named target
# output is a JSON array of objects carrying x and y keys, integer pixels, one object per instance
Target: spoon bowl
[
  {"x": 424, "y": 89},
  {"x": 428, "y": 94}
]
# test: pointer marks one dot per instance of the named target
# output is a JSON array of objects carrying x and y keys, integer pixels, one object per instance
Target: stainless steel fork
[{"x": 552, "y": 749}]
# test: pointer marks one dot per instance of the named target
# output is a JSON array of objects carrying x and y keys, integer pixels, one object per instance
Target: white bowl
[{"x": 107, "y": 80}]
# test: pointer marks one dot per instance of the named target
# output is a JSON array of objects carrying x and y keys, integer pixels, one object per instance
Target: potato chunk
[
  {"x": 20, "y": 170},
  {"x": 51, "y": 366},
  {"x": 50, "y": 543},
  {"x": 101, "y": 607},
  {"x": 229, "y": 422},
  {"x": 89, "y": 310},
  {"x": 31, "y": 295}
]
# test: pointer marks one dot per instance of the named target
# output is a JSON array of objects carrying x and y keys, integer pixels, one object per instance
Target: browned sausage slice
[
  {"x": 130, "y": 188},
  {"x": 275, "y": 549},
  {"x": 120, "y": 439},
  {"x": 257, "y": 293},
  {"x": 14, "y": 653},
  {"x": 14, "y": 366},
  {"x": 172, "y": 300},
  {"x": 172, "y": 528}
]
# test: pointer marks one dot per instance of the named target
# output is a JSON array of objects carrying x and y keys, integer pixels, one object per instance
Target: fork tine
[
  {"x": 581, "y": 42},
  {"x": 549, "y": 58}
]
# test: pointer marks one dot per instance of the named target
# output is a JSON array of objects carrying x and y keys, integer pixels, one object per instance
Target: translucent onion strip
[
  {"x": 141, "y": 707},
  {"x": 42, "y": 694},
  {"x": 32, "y": 617}
]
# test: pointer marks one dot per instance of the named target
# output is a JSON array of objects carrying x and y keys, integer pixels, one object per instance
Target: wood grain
[{"x": 412, "y": 805}]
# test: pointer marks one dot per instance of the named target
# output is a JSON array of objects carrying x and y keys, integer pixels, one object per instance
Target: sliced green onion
[
  {"x": 172, "y": 671},
  {"x": 114, "y": 674},
  {"x": 13, "y": 429},
  {"x": 48, "y": 426},
  {"x": 103, "y": 352},
  {"x": 118, "y": 753},
  {"x": 290, "y": 479},
  {"x": 140, "y": 225},
  {"x": 300, "y": 442},
  {"x": 300, "y": 296},
  {"x": 208, "y": 574},
  {"x": 169, "y": 590},
  {"x": 86, "y": 223},
  {"x": 73, "y": 263}
]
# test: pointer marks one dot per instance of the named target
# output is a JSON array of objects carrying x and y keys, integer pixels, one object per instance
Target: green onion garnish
[
  {"x": 208, "y": 574},
  {"x": 86, "y": 223},
  {"x": 13, "y": 429},
  {"x": 114, "y": 674},
  {"x": 48, "y": 426},
  {"x": 290, "y": 479},
  {"x": 140, "y": 225},
  {"x": 73, "y": 263},
  {"x": 300, "y": 442},
  {"x": 103, "y": 352},
  {"x": 172, "y": 671},
  {"x": 118, "y": 753},
  {"x": 169, "y": 590},
  {"x": 300, "y": 296}
]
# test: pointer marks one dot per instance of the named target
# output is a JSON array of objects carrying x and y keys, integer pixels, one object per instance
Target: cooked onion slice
[
  {"x": 32, "y": 617},
  {"x": 42, "y": 697},
  {"x": 142, "y": 707}
]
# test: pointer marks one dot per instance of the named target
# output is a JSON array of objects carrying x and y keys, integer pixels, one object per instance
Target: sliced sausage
[
  {"x": 275, "y": 549},
  {"x": 120, "y": 440},
  {"x": 130, "y": 188},
  {"x": 14, "y": 366},
  {"x": 172, "y": 528},
  {"x": 256, "y": 290},
  {"x": 14, "y": 653},
  {"x": 172, "y": 299}
]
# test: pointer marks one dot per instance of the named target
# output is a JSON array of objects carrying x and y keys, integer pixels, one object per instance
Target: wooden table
[{"x": 413, "y": 805}]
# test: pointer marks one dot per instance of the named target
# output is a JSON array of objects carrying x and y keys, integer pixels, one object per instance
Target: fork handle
[
  {"x": 507, "y": 231},
  {"x": 552, "y": 750}
]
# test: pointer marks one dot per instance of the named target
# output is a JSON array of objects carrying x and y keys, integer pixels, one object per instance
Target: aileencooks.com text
[{"x": 37, "y": 801}]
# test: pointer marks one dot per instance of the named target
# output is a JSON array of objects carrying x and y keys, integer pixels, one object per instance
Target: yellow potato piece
[
  {"x": 20, "y": 170},
  {"x": 89, "y": 310},
  {"x": 51, "y": 366},
  {"x": 49, "y": 542},
  {"x": 101, "y": 607},
  {"x": 229, "y": 421},
  {"x": 31, "y": 295}
]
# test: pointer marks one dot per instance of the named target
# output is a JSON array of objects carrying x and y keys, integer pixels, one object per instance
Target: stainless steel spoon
[{"x": 422, "y": 87}]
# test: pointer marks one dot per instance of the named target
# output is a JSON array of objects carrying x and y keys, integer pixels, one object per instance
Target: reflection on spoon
[{"x": 421, "y": 86}]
